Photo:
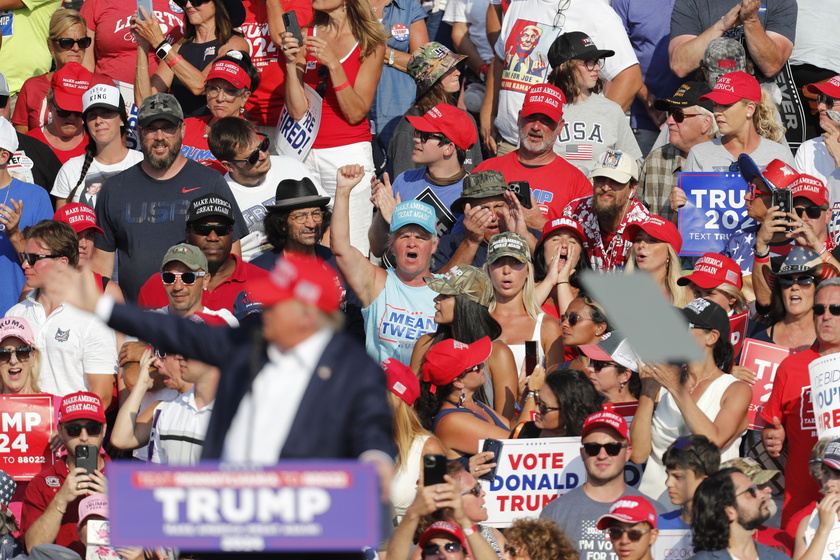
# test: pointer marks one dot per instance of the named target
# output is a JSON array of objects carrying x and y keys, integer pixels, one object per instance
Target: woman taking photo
[
  {"x": 613, "y": 369},
  {"x": 655, "y": 250},
  {"x": 584, "y": 322},
  {"x": 106, "y": 127},
  {"x": 341, "y": 59},
  {"x": 558, "y": 258},
  {"x": 575, "y": 63},
  {"x": 514, "y": 303},
  {"x": 208, "y": 34},
  {"x": 564, "y": 401},
  {"x": 700, "y": 398}
]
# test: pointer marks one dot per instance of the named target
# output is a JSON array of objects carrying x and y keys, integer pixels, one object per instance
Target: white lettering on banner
[
  {"x": 15, "y": 421},
  {"x": 825, "y": 394}
]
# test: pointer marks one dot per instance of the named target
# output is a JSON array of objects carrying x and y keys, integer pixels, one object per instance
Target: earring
[
  {"x": 461, "y": 400},
  {"x": 241, "y": 110},
  {"x": 749, "y": 115},
  {"x": 622, "y": 384}
]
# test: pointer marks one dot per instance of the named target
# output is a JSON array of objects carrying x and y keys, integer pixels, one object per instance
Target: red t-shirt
[
  {"x": 790, "y": 401},
  {"x": 115, "y": 48},
  {"x": 62, "y": 155},
  {"x": 195, "y": 144},
  {"x": 554, "y": 185},
  {"x": 776, "y": 538},
  {"x": 265, "y": 104}
]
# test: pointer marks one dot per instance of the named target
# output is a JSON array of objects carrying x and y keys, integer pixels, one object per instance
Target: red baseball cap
[
  {"x": 79, "y": 216},
  {"x": 230, "y": 72},
  {"x": 606, "y": 419},
  {"x": 658, "y": 228},
  {"x": 733, "y": 87},
  {"x": 81, "y": 406},
  {"x": 563, "y": 223},
  {"x": 402, "y": 381},
  {"x": 545, "y": 99},
  {"x": 448, "y": 359},
  {"x": 445, "y": 528},
  {"x": 830, "y": 87},
  {"x": 304, "y": 278},
  {"x": 69, "y": 85},
  {"x": 811, "y": 188},
  {"x": 629, "y": 509},
  {"x": 450, "y": 121},
  {"x": 712, "y": 270}
]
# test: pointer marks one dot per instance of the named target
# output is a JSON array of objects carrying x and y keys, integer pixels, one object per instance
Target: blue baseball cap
[{"x": 414, "y": 212}]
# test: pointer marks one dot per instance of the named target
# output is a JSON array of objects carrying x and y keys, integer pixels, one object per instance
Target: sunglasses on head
[
  {"x": 819, "y": 309},
  {"x": 21, "y": 352},
  {"x": 683, "y": 443},
  {"x": 598, "y": 365},
  {"x": 634, "y": 535},
  {"x": 612, "y": 448},
  {"x": 433, "y": 549},
  {"x": 679, "y": 115},
  {"x": 475, "y": 491},
  {"x": 827, "y": 100},
  {"x": 75, "y": 430},
  {"x": 206, "y": 229},
  {"x": 572, "y": 318},
  {"x": 66, "y": 43},
  {"x": 188, "y": 278},
  {"x": 255, "y": 155},
  {"x": 788, "y": 281},
  {"x": 32, "y": 258},
  {"x": 813, "y": 212}
]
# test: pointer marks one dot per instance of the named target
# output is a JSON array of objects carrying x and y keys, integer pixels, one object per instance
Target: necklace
[
  {"x": 691, "y": 391},
  {"x": 790, "y": 338}
]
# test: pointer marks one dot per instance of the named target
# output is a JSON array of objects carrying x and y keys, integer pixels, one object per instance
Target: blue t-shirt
[
  {"x": 671, "y": 520},
  {"x": 412, "y": 185}
]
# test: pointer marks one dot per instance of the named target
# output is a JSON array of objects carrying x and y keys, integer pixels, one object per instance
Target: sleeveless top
[
  {"x": 199, "y": 55},
  {"x": 668, "y": 424},
  {"x": 335, "y": 130},
  {"x": 464, "y": 458},
  {"x": 404, "y": 483},
  {"x": 519, "y": 349},
  {"x": 833, "y": 536}
]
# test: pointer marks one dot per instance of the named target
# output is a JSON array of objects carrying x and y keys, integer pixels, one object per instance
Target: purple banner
[{"x": 292, "y": 506}]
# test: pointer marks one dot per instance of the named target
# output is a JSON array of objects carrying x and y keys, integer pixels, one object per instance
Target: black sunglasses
[
  {"x": 426, "y": 136},
  {"x": 545, "y": 409},
  {"x": 475, "y": 491},
  {"x": 819, "y": 309},
  {"x": 323, "y": 74},
  {"x": 433, "y": 549},
  {"x": 75, "y": 430},
  {"x": 255, "y": 155},
  {"x": 634, "y": 535},
  {"x": 206, "y": 229},
  {"x": 572, "y": 318},
  {"x": 598, "y": 365},
  {"x": 66, "y": 43},
  {"x": 828, "y": 100},
  {"x": 22, "y": 352},
  {"x": 32, "y": 258},
  {"x": 812, "y": 212},
  {"x": 679, "y": 116},
  {"x": 188, "y": 278},
  {"x": 195, "y": 3},
  {"x": 612, "y": 448},
  {"x": 752, "y": 490},
  {"x": 67, "y": 114},
  {"x": 788, "y": 281}
]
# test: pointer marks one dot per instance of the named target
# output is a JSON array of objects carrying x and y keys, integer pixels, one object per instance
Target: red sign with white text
[
  {"x": 26, "y": 422},
  {"x": 762, "y": 358},
  {"x": 738, "y": 330}
]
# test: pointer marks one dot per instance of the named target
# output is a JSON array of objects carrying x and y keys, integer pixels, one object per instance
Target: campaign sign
[
  {"x": 292, "y": 506},
  {"x": 762, "y": 358},
  {"x": 295, "y": 138},
  {"x": 738, "y": 330},
  {"x": 715, "y": 209},
  {"x": 672, "y": 544},
  {"x": 825, "y": 394},
  {"x": 26, "y": 422},
  {"x": 532, "y": 472}
]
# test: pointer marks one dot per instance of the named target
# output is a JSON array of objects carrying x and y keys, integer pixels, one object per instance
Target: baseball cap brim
[
  {"x": 748, "y": 167},
  {"x": 598, "y": 53},
  {"x": 68, "y": 102},
  {"x": 441, "y": 286},
  {"x": 152, "y": 118},
  {"x": 422, "y": 124},
  {"x": 834, "y": 464},
  {"x": 826, "y": 88},
  {"x": 595, "y": 352},
  {"x": 721, "y": 97},
  {"x": 701, "y": 279},
  {"x": 611, "y": 173},
  {"x": 603, "y": 521}
]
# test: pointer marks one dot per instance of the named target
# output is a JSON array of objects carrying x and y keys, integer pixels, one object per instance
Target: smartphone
[
  {"x": 495, "y": 446},
  {"x": 522, "y": 190},
  {"x": 146, "y": 5},
  {"x": 783, "y": 198},
  {"x": 290, "y": 21},
  {"x": 833, "y": 115},
  {"x": 434, "y": 468},
  {"x": 86, "y": 457},
  {"x": 530, "y": 356}
]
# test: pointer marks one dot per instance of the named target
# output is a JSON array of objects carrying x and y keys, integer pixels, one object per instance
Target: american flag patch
[{"x": 579, "y": 151}]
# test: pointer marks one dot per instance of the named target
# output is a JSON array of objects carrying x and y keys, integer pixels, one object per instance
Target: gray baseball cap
[
  {"x": 722, "y": 56},
  {"x": 160, "y": 106}
]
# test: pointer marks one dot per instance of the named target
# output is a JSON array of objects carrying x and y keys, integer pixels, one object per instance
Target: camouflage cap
[
  {"x": 508, "y": 244},
  {"x": 751, "y": 468},
  {"x": 160, "y": 106},
  {"x": 429, "y": 63},
  {"x": 480, "y": 185},
  {"x": 186, "y": 254},
  {"x": 465, "y": 280},
  {"x": 723, "y": 55}
]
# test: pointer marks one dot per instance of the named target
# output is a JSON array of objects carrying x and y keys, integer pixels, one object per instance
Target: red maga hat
[
  {"x": 448, "y": 359},
  {"x": 712, "y": 270},
  {"x": 733, "y": 87},
  {"x": 658, "y": 228},
  {"x": 450, "y": 121}
]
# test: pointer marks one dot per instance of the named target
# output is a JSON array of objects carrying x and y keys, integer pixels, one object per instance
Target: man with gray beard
[{"x": 142, "y": 211}]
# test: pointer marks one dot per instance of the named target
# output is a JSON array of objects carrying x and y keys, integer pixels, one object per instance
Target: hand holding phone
[
  {"x": 434, "y": 469},
  {"x": 495, "y": 446},
  {"x": 86, "y": 457},
  {"x": 290, "y": 21},
  {"x": 530, "y": 356},
  {"x": 783, "y": 198},
  {"x": 146, "y": 5}
]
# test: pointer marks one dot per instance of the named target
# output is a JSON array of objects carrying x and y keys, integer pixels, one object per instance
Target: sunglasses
[
  {"x": 300, "y": 217},
  {"x": 75, "y": 430},
  {"x": 827, "y": 100},
  {"x": 545, "y": 409},
  {"x": 433, "y": 549},
  {"x": 426, "y": 136},
  {"x": 159, "y": 353},
  {"x": 788, "y": 281},
  {"x": 32, "y": 258},
  {"x": 572, "y": 318},
  {"x": 683, "y": 443},
  {"x": 255, "y": 155},
  {"x": 634, "y": 535},
  {"x": 679, "y": 116},
  {"x": 598, "y": 365},
  {"x": 188, "y": 278},
  {"x": 819, "y": 309},
  {"x": 813, "y": 212},
  {"x": 21, "y": 352},
  {"x": 591, "y": 63},
  {"x": 612, "y": 448},
  {"x": 475, "y": 491},
  {"x": 323, "y": 74},
  {"x": 206, "y": 229},
  {"x": 214, "y": 91},
  {"x": 195, "y": 3},
  {"x": 66, "y": 43},
  {"x": 67, "y": 114},
  {"x": 756, "y": 191},
  {"x": 752, "y": 490}
]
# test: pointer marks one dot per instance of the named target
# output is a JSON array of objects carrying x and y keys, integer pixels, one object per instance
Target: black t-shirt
[{"x": 35, "y": 158}]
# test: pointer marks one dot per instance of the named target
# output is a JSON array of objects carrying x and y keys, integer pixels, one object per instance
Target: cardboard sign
[
  {"x": 532, "y": 472},
  {"x": 672, "y": 544},
  {"x": 99, "y": 541},
  {"x": 26, "y": 422},
  {"x": 294, "y": 505},
  {"x": 763, "y": 358},
  {"x": 825, "y": 394},
  {"x": 715, "y": 209},
  {"x": 295, "y": 138},
  {"x": 738, "y": 330}
]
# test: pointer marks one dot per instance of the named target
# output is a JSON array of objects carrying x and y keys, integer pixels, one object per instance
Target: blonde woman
[
  {"x": 20, "y": 359},
  {"x": 655, "y": 250}
]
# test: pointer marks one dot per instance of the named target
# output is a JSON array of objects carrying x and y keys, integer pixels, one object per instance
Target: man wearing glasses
[
  {"x": 51, "y": 503},
  {"x": 631, "y": 527},
  {"x": 143, "y": 209},
  {"x": 605, "y": 448},
  {"x": 820, "y": 156}
]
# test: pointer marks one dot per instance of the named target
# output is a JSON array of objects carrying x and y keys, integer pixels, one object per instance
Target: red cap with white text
[
  {"x": 81, "y": 406},
  {"x": 811, "y": 188},
  {"x": 712, "y": 270},
  {"x": 830, "y": 87},
  {"x": 733, "y": 87},
  {"x": 78, "y": 216},
  {"x": 629, "y": 509},
  {"x": 545, "y": 99},
  {"x": 606, "y": 419}
]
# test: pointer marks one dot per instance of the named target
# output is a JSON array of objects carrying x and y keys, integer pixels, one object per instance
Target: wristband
[
  {"x": 175, "y": 61},
  {"x": 558, "y": 283},
  {"x": 825, "y": 257},
  {"x": 824, "y": 249},
  {"x": 761, "y": 260},
  {"x": 763, "y": 255},
  {"x": 342, "y": 86},
  {"x": 471, "y": 530},
  {"x": 160, "y": 44}
]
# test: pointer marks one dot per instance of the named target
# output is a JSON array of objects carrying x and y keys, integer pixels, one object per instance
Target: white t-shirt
[
  {"x": 473, "y": 13},
  {"x": 813, "y": 158},
  {"x": 253, "y": 200},
  {"x": 97, "y": 174},
  {"x": 528, "y": 30}
]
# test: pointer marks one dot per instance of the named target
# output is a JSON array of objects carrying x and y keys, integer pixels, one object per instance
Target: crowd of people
[{"x": 250, "y": 231}]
